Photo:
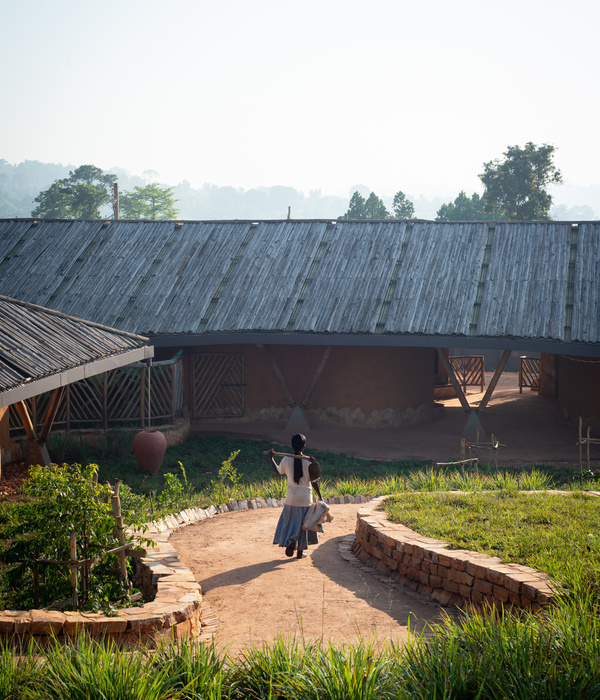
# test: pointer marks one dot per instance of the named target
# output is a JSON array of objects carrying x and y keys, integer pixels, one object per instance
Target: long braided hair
[{"x": 298, "y": 444}]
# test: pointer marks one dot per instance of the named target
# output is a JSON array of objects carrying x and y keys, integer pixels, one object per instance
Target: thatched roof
[
  {"x": 41, "y": 349},
  {"x": 523, "y": 285}
]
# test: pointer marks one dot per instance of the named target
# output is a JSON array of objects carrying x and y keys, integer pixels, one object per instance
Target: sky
[{"x": 316, "y": 95}]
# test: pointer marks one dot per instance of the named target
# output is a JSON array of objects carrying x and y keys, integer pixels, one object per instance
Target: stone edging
[
  {"x": 451, "y": 577},
  {"x": 176, "y": 610}
]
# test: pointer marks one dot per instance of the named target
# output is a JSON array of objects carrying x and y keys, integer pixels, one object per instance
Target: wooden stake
[
  {"x": 588, "y": 447},
  {"x": 74, "y": 570},
  {"x": 119, "y": 530},
  {"x": 580, "y": 446}
]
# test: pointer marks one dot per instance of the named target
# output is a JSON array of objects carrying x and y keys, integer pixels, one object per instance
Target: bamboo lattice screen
[{"x": 118, "y": 398}]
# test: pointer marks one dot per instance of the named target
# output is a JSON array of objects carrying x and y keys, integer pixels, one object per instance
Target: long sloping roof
[
  {"x": 41, "y": 349},
  {"x": 517, "y": 284}
]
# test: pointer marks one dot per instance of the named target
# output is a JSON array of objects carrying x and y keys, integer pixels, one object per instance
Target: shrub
[{"x": 57, "y": 501}]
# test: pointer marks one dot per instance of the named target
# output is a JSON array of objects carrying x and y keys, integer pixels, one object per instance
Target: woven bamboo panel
[
  {"x": 218, "y": 385},
  {"x": 117, "y": 398},
  {"x": 469, "y": 370}
]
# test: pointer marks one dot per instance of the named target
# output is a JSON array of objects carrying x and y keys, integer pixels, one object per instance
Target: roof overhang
[
  {"x": 383, "y": 340},
  {"x": 74, "y": 374}
]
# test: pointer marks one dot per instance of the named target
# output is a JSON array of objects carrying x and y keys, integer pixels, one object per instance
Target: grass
[
  {"x": 197, "y": 465},
  {"x": 485, "y": 654},
  {"x": 545, "y": 530}
]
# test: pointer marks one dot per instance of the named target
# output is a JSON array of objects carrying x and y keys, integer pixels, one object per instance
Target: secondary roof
[{"x": 41, "y": 350}]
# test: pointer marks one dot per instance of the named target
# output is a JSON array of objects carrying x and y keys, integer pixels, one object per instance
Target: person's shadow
[{"x": 241, "y": 574}]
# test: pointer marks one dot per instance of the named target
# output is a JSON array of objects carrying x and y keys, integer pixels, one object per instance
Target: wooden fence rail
[{"x": 118, "y": 398}]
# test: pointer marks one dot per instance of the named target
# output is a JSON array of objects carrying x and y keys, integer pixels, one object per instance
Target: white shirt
[{"x": 297, "y": 494}]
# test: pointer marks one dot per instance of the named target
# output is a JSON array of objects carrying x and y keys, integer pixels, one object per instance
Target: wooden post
[
  {"x": 315, "y": 379},
  {"x": 279, "y": 375},
  {"x": 68, "y": 407},
  {"x": 453, "y": 380},
  {"x": 580, "y": 446},
  {"x": 74, "y": 570},
  {"x": 119, "y": 529},
  {"x": 588, "y": 448},
  {"x": 105, "y": 399},
  {"x": 38, "y": 453},
  {"x": 492, "y": 385},
  {"x": 116, "y": 200},
  {"x": 143, "y": 395}
]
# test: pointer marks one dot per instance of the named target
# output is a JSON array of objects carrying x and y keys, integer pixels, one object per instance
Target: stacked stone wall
[{"x": 451, "y": 577}]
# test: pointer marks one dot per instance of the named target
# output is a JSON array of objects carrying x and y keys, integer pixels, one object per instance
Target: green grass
[
  {"x": 548, "y": 531},
  {"x": 196, "y": 464}
]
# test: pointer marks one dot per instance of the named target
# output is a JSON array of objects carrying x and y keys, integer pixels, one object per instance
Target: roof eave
[
  {"x": 74, "y": 374},
  {"x": 556, "y": 347}
]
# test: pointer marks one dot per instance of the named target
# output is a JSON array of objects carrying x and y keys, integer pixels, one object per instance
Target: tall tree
[
  {"x": 375, "y": 208},
  {"x": 79, "y": 196},
  {"x": 464, "y": 208},
  {"x": 356, "y": 207},
  {"x": 149, "y": 202},
  {"x": 402, "y": 207},
  {"x": 516, "y": 186},
  {"x": 370, "y": 208}
]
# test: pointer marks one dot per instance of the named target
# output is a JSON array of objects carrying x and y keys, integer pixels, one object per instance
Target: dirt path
[{"x": 257, "y": 593}]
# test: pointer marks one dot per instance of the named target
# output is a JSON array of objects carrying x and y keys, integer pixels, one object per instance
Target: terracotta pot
[{"x": 149, "y": 448}]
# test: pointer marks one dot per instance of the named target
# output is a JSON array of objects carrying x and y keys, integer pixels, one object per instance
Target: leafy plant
[{"x": 58, "y": 501}]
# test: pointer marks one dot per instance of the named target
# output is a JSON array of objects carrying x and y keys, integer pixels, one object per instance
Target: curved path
[{"x": 257, "y": 593}]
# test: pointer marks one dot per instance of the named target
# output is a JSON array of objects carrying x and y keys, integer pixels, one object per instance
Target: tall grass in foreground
[
  {"x": 491, "y": 654},
  {"x": 486, "y": 654}
]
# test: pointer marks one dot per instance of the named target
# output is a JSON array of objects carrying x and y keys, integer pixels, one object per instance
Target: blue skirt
[{"x": 289, "y": 528}]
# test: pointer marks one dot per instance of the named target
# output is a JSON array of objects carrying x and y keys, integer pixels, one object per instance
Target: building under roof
[{"x": 379, "y": 295}]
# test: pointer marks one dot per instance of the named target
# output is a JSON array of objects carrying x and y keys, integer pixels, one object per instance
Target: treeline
[{"x": 515, "y": 188}]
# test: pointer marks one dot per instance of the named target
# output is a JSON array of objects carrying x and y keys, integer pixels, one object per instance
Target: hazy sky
[{"x": 318, "y": 94}]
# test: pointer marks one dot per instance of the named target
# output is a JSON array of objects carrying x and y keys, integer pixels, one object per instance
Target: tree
[
  {"x": 516, "y": 186},
  {"x": 375, "y": 208},
  {"x": 463, "y": 209},
  {"x": 356, "y": 207},
  {"x": 370, "y": 208},
  {"x": 79, "y": 196},
  {"x": 402, "y": 206},
  {"x": 149, "y": 202}
]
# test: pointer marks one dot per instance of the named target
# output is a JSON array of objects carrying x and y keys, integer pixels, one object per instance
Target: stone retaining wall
[
  {"x": 176, "y": 609},
  {"x": 451, "y": 577}
]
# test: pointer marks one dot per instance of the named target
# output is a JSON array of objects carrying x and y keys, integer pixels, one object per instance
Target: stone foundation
[
  {"x": 379, "y": 418},
  {"x": 451, "y": 577}
]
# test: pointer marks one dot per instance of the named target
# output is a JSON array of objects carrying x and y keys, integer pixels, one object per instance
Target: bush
[{"x": 57, "y": 501}]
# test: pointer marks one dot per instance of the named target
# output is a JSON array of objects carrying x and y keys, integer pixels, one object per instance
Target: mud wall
[
  {"x": 358, "y": 385},
  {"x": 578, "y": 380}
]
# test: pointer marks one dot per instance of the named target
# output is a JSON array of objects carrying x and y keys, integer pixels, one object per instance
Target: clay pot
[{"x": 149, "y": 448}]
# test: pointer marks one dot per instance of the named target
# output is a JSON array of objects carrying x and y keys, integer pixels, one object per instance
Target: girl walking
[{"x": 298, "y": 499}]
